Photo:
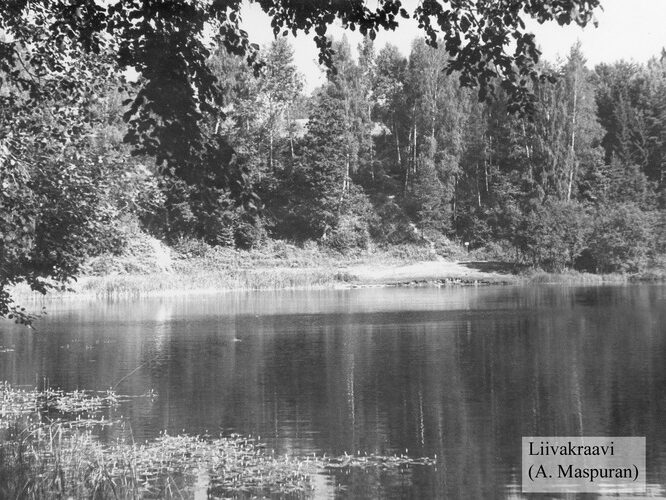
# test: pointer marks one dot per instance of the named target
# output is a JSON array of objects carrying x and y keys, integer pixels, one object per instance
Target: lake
[{"x": 460, "y": 373}]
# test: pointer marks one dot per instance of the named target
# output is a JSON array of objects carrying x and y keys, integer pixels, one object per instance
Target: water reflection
[{"x": 459, "y": 373}]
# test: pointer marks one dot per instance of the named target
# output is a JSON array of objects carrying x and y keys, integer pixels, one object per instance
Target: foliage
[
  {"x": 428, "y": 198},
  {"x": 620, "y": 239},
  {"x": 199, "y": 210},
  {"x": 352, "y": 229},
  {"x": 393, "y": 225},
  {"x": 351, "y": 232},
  {"x": 631, "y": 102},
  {"x": 61, "y": 195},
  {"x": 317, "y": 182},
  {"x": 141, "y": 254},
  {"x": 554, "y": 235},
  {"x": 165, "y": 44}
]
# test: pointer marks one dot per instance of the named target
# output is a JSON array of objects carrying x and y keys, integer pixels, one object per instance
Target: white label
[{"x": 584, "y": 465}]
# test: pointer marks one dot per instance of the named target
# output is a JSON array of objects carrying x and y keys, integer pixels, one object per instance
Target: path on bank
[{"x": 429, "y": 272}]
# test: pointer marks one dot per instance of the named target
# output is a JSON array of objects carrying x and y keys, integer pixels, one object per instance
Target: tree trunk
[
  {"x": 291, "y": 133},
  {"x": 372, "y": 159},
  {"x": 345, "y": 182},
  {"x": 572, "y": 144},
  {"x": 397, "y": 149},
  {"x": 270, "y": 150},
  {"x": 528, "y": 154},
  {"x": 414, "y": 149},
  {"x": 485, "y": 166},
  {"x": 453, "y": 201},
  {"x": 478, "y": 187}
]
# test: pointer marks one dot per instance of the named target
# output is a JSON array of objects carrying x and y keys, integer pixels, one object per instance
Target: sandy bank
[{"x": 439, "y": 271}]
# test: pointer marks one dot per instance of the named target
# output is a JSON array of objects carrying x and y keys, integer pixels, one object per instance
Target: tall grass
[
  {"x": 200, "y": 280},
  {"x": 581, "y": 278},
  {"x": 55, "y": 460}
]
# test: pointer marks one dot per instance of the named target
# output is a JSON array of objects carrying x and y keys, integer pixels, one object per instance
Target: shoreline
[{"x": 428, "y": 274}]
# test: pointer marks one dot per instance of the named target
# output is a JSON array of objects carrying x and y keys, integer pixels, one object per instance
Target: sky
[{"x": 632, "y": 30}]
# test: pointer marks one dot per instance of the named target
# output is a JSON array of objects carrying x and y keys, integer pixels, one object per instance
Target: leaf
[{"x": 464, "y": 24}]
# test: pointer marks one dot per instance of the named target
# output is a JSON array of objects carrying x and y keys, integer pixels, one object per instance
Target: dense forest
[{"x": 390, "y": 150}]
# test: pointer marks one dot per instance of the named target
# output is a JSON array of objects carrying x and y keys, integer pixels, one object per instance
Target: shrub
[
  {"x": 393, "y": 226},
  {"x": 351, "y": 232},
  {"x": 620, "y": 240},
  {"x": 141, "y": 254},
  {"x": 473, "y": 227},
  {"x": 351, "y": 227},
  {"x": 659, "y": 243},
  {"x": 501, "y": 250},
  {"x": 554, "y": 234},
  {"x": 249, "y": 233},
  {"x": 442, "y": 246},
  {"x": 410, "y": 252},
  {"x": 191, "y": 247}
]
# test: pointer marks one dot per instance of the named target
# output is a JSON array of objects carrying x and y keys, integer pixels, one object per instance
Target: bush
[
  {"x": 141, "y": 254},
  {"x": 442, "y": 246},
  {"x": 393, "y": 226},
  {"x": 351, "y": 232},
  {"x": 473, "y": 227},
  {"x": 351, "y": 229},
  {"x": 410, "y": 252},
  {"x": 191, "y": 247},
  {"x": 249, "y": 234},
  {"x": 658, "y": 256},
  {"x": 620, "y": 240},
  {"x": 501, "y": 250},
  {"x": 554, "y": 235}
]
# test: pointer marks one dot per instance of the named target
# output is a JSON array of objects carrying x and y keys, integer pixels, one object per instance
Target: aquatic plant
[
  {"x": 16, "y": 402},
  {"x": 49, "y": 449}
]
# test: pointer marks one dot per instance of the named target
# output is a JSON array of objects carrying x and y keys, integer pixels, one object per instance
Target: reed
[
  {"x": 55, "y": 460},
  {"x": 211, "y": 280},
  {"x": 576, "y": 278},
  {"x": 580, "y": 278}
]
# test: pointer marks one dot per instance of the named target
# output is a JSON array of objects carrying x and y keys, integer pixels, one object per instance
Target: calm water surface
[{"x": 460, "y": 373}]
